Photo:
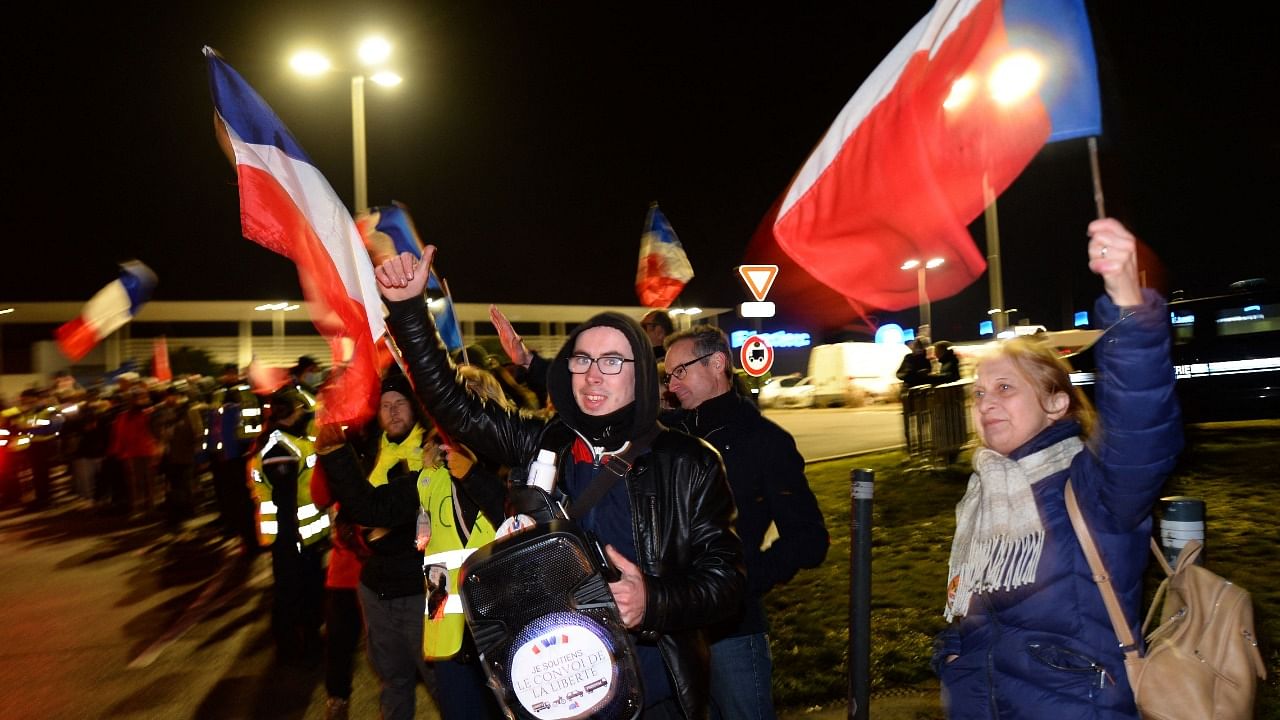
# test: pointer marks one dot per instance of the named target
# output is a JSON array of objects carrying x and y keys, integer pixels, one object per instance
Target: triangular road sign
[{"x": 759, "y": 279}]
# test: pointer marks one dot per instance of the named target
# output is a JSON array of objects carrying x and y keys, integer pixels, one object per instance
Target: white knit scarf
[{"x": 999, "y": 534}]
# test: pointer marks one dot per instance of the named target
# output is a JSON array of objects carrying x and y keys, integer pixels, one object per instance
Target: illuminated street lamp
[
  {"x": 372, "y": 52},
  {"x": 1012, "y": 79},
  {"x": 925, "y": 311}
]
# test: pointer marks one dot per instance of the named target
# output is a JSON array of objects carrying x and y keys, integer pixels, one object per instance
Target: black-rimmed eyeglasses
[
  {"x": 608, "y": 365},
  {"x": 678, "y": 372}
]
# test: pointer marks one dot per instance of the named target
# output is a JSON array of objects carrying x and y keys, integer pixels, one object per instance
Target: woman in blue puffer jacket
[{"x": 1030, "y": 636}]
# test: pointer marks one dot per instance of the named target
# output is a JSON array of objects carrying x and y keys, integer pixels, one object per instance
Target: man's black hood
[{"x": 560, "y": 382}]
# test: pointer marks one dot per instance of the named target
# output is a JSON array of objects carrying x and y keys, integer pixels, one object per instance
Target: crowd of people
[
  {"x": 131, "y": 447},
  {"x": 660, "y": 457}
]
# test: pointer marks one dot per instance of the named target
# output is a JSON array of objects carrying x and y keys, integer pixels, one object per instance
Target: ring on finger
[{"x": 1103, "y": 251}]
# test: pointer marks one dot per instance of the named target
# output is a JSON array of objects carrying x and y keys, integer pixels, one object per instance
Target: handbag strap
[{"x": 1127, "y": 644}]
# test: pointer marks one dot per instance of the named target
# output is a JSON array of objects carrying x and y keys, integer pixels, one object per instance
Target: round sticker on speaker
[{"x": 562, "y": 666}]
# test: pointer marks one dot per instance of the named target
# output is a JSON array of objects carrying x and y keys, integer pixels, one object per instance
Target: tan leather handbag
[{"x": 1202, "y": 662}]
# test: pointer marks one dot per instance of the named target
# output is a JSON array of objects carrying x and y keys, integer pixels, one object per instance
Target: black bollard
[{"x": 862, "y": 483}]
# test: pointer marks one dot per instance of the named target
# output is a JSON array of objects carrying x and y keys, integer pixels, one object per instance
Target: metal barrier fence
[{"x": 935, "y": 422}]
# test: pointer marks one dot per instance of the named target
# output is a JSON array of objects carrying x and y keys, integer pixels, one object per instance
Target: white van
[{"x": 855, "y": 373}]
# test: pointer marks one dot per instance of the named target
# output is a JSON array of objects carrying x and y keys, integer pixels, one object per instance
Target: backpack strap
[{"x": 1127, "y": 643}]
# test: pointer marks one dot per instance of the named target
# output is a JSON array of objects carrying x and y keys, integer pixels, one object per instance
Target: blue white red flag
[
  {"x": 942, "y": 126},
  {"x": 107, "y": 311},
  {"x": 288, "y": 207},
  {"x": 664, "y": 269},
  {"x": 389, "y": 230}
]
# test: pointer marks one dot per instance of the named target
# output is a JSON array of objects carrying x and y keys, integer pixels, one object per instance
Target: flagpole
[
  {"x": 444, "y": 285},
  {"x": 1096, "y": 171},
  {"x": 995, "y": 281}
]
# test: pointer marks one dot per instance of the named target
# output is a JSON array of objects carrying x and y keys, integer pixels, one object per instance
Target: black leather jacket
[{"x": 682, "y": 508}]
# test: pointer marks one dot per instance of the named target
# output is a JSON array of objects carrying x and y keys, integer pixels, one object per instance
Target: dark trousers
[
  {"x": 179, "y": 480},
  {"x": 343, "y": 625},
  {"x": 40, "y": 454},
  {"x": 461, "y": 692},
  {"x": 235, "y": 506},
  {"x": 297, "y": 611}
]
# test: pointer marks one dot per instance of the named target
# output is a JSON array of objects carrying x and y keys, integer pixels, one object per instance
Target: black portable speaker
[{"x": 547, "y": 628}]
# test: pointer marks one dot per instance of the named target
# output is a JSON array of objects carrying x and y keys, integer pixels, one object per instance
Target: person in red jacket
[{"x": 133, "y": 444}]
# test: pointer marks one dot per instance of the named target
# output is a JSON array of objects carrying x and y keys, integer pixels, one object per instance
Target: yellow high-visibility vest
[
  {"x": 313, "y": 524},
  {"x": 444, "y": 624}
]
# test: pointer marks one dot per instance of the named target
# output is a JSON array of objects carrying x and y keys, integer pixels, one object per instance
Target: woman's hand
[
  {"x": 404, "y": 276},
  {"x": 1113, "y": 255}
]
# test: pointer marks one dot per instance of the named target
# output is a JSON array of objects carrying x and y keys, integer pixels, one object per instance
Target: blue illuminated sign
[
  {"x": 1082, "y": 319},
  {"x": 777, "y": 339},
  {"x": 908, "y": 335},
  {"x": 986, "y": 328}
]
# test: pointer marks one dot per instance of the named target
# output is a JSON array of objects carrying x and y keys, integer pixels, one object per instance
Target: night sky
[{"x": 529, "y": 138}]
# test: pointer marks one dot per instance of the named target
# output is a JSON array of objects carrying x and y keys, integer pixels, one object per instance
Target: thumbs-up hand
[{"x": 629, "y": 590}]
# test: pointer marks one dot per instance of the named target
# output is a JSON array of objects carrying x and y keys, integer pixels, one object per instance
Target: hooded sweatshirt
[{"x": 618, "y": 432}]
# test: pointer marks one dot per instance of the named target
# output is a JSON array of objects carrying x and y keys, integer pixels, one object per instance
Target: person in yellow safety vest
[
  {"x": 406, "y": 475},
  {"x": 296, "y": 530}
]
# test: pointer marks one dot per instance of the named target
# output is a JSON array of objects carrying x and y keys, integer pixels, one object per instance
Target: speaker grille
[{"x": 529, "y": 581}]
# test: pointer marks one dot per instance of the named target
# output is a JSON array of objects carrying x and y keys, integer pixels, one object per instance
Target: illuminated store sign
[{"x": 779, "y": 339}]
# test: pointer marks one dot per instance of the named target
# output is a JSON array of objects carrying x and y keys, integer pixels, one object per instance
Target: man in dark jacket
[
  {"x": 665, "y": 510},
  {"x": 766, "y": 474},
  {"x": 391, "y": 590}
]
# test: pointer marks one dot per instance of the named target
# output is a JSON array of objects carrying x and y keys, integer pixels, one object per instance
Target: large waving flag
[
  {"x": 288, "y": 207},
  {"x": 664, "y": 269},
  {"x": 107, "y": 311},
  {"x": 944, "y": 124},
  {"x": 389, "y": 230}
]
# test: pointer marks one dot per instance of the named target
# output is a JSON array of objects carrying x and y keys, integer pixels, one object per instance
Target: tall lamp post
[
  {"x": 926, "y": 318},
  {"x": 372, "y": 53}
]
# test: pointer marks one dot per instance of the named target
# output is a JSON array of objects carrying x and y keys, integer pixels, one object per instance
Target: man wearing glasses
[
  {"x": 766, "y": 473},
  {"x": 658, "y": 498}
]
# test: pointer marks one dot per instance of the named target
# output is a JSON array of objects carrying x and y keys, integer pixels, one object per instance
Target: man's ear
[{"x": 1057, "y": 405}]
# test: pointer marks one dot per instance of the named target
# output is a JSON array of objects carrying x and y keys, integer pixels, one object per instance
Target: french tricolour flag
[
  {"x": 107, "y": 311},
  {"x": 389, "y": 230},
  {"x": 943, "y": 125},
  {"x": 664, "y": 269},
  {"x": 288, "y": 207}
]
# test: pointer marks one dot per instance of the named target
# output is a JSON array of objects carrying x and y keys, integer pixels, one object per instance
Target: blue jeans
[
  {"x": 742, "y": 678},
  {"x": 395, "y": 649},
  {"x": 462, "y": 692}
]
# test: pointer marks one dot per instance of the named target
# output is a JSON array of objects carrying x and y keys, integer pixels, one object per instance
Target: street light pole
[
  {"x": 926, "y": 311},
  {"x": 359, "y": 161},
  {"x": 372, "y": 52}
]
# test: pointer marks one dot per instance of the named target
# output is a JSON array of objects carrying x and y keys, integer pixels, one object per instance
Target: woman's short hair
[{"x": 1039, "y": 363}]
